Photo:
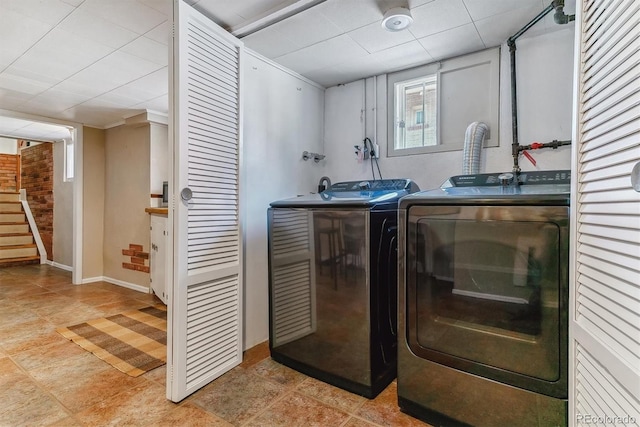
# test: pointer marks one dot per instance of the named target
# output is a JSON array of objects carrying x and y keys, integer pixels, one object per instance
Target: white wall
[
  {"x": 159, "y": 157},
  {"x": 283, "y": 116},
  {"x": 126, "y": 196},
  {"x": 545, "y": 72},
  {"x": 8, "y": 146},
  {"x": 62, "y": 210}
]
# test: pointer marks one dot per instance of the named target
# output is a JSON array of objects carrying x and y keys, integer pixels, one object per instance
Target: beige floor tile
[
  {"x": 28, "y": 335},
  {"x": 189, "y": 415},
  {"x": 11, "y": 315},
  {"x": 85, "y": 392},
  {"x": 24, "y": 403},
  {"x": 274, "y": 371},
  {"x": 118, "y": 306},
  {"x": 144, "y": 404},
  {"x": 332, "y": 396},
  {"x": 358, "y": 422},
  {"x": 73, "y": 314},
  {"x": 69, "y": 371},
  {"x": 158, "y": 375},
  {"x": 238, "y": 396},
  {"x": 384, "y": 410},
  {"x": 51, "y": 355},
  {"x": 299, "y": 410}
]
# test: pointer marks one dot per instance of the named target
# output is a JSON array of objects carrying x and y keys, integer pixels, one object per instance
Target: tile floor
[{"x": 46, "y": 380}]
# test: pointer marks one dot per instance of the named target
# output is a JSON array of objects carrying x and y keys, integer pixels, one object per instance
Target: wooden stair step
[
  {"x": 12, "y": 217},
  {"x": 12, "y": 239},
  {"x": 10, "y": 206},
  {"x": 18, "y": 251},
  {"x": 9, "y": 262},
  {"x": 14, "y": 227},
  {"x": 9, "y": 196}
]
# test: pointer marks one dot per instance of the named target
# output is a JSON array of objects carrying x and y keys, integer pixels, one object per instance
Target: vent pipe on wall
[
  {"x": 473, "y": 140},
  {"x": 560, "y": 18}
]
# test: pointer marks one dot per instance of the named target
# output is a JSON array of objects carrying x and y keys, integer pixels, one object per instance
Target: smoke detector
[{"x": 397, "y": 19}]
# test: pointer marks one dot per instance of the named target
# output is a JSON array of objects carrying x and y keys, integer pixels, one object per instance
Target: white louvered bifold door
[
  {"x": 206, "y": 315},
  {"x": 605, "y": 299},
  {"x": 293, "y": 284}
]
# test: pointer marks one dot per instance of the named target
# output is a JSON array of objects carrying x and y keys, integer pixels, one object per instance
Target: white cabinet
[{"x": 158, "y": 256}]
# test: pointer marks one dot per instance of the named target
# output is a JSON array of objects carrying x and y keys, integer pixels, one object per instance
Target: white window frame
[
  {"x": 402, "y": 115},
  {"x": 450, "y": 131}
]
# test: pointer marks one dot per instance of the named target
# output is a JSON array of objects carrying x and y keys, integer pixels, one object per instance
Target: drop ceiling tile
[
  {"x": 269, "y": 42},
  {"x": 98, "y": 116},
  {"x": 496, "y": 29},
  {"x": 346, "y": 71},
  {"x": 18, "y": 33},
  {"x": 95, "y": 28},
  {"x": 350, "y": 14},
  {"x": 160, "y": 33},
  {"x": 47, "y": 131},
  {"x": 454, "y": 42},
  {"x": 59, "y": 55},
  {"x": 74, "y": 3},
  {"x": 437, "y": 16},
  {"x": 165, "y": 7},
  {"x": 322, "y": 55},
  {"x": 374, "y": 38},
  {"x": 480, "y": 9},
  {"x": 57, "y": 100},
  {"x": 22, "y": 84},
  {"x": 148, "y": 49},
  {"x": 144, "y": 89},
  {"x": 115, "y": 70},
  {"x": 159, "y": 104},
  {"x": 404, "y": 56},
  {"x": 84, "y": 89},
  {"x": 223, "y": 12},
  {"x": 50, "y": 12},
  {"x": 129, "y": 14},
  {"x": 12, "y": 100},
  {"x": 307, "y": 28}
]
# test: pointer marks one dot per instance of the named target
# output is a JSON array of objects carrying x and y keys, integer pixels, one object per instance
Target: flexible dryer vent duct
[{"x": 473, "y": 140}]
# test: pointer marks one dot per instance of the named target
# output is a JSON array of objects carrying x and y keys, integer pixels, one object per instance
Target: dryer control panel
[{"x": 508, "y": 178}]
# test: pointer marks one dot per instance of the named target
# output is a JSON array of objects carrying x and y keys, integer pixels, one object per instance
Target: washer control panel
[{"x": 377, "y": 185}]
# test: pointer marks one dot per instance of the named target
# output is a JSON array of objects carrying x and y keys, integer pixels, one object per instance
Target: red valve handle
[
  {"x": 528, "y": 156},
  {"x": 536, "y": 145}
]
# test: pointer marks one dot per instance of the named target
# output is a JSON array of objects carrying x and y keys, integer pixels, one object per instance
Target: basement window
[
  {"x": 68, "y": 160},
  {"x": 431, "y": 106},
  {"x": 416, "y": 99}
]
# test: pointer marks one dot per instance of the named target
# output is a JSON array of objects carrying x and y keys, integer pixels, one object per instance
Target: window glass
[
  {"x": 416, "y": 113},
  {"x": 68, "y": 160}
]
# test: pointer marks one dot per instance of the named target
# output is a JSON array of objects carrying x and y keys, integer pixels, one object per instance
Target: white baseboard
[
  {"x": 93, "y": 280},
  {"x": 117, "y": 282},
  {"x": 58, "y": 265}
]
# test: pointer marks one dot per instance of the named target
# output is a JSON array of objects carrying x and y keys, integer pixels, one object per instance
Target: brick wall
[
  {"x": 8, "y": 172},
  {"x": 37, "y": 179}
]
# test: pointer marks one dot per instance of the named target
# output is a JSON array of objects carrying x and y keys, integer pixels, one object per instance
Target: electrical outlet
[{"x": 376, "y": 151}]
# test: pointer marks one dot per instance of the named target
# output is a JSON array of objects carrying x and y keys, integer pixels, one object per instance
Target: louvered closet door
[
  {"x": 605, "y": 303},
  {"x": 206, "y": 316}
]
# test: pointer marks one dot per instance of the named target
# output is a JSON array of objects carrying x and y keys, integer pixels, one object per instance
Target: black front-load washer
[{"x": 333, "y": 283}]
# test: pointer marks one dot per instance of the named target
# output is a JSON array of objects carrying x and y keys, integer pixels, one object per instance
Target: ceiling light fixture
[{"x": 397, "y": 19}]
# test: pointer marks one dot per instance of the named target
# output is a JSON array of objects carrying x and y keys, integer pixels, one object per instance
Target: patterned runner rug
[{"x": 133, "y": 342}]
